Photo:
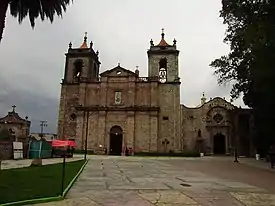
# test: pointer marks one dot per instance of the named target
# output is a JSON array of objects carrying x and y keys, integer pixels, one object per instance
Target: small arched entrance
[
  {"x": 219, "y": 144},
  {"x": 116, "y": 138}
]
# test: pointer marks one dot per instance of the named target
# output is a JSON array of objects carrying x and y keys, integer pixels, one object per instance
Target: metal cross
[{"x": 13, "y": 108}]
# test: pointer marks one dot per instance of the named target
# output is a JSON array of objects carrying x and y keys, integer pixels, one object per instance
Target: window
[
  {"x": 199, "y": 133},
  {"x": 218, "y": 118},
  {"x": 73, "y": 116},
  {"x": 163, "y": 70},
  {"x": 78, "y": 65},
  {"x": 165, "y": 118},
  {"x": 118, "y": 98}
]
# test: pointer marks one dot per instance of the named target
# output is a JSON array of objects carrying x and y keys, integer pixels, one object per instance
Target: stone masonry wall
[{"x": 169, "y": 102}]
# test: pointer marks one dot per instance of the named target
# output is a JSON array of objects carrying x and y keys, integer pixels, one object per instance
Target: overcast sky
[{"x": 32, "y": 61}]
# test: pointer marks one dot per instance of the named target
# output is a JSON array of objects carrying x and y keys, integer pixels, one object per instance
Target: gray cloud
[{"x": 32, "y": 61}]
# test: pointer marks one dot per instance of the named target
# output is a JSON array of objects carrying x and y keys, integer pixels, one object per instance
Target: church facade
[{"x": 119, "y": 109}]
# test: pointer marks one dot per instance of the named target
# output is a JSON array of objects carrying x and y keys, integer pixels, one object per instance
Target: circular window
[
  {"x": 218, "y": 118},
  {"x": 73, "y": 116}
]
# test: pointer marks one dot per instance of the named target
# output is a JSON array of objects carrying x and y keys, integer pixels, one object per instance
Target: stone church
[{"x": 118, "y": 109}]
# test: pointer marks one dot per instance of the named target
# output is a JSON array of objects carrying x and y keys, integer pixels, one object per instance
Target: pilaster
[
  {"x": 130, "y": 137},
  {"x": 153, "y": 147}
]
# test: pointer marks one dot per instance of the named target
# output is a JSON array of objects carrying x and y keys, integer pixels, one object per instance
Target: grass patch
[{"x": 35, "y": 182}]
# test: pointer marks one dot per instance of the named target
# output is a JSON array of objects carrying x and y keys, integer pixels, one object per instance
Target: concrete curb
[
  {"x": 49, "y": 199},
  {"x": 74, "y": 179}
]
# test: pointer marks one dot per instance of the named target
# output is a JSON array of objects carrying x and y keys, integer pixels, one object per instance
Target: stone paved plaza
[{"x": 146, "y": 181}]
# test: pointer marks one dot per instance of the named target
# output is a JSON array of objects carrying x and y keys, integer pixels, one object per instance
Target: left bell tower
[
  {"x": 82, "y": 64},
  {"x": 81, "y": 68}
]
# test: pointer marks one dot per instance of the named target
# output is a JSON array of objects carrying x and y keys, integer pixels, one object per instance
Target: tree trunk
[{"x": 3, "y": 10}]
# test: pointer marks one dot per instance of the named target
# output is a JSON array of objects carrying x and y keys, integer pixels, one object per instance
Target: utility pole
[{"x": 42, "y": 125}]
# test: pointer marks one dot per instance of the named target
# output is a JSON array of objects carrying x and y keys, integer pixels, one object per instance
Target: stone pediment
[
  {"x": 13, "y": 118},
  {"x": 220, "y": 102},
  {"x": 118, "y": 72}
]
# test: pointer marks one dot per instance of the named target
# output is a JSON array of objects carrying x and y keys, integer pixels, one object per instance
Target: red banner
[{"x": 63, "y": 143}]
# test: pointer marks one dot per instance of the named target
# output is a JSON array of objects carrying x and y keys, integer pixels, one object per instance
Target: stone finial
[
  {"x": 137, "y": 71},
  {"x": 175, "y": 42},
  {"x": 203, "y": 99},
  {"x": 91, "y": 44},
  {"x": 70, "y": 45},
  {"x": 97, "y": 52},
  {"x": 13, "y": 108},
  {"x": 151, "y": 42}
]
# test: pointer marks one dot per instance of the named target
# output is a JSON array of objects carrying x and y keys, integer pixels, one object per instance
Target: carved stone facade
[
  {"x": 13, "y": 128},
  {"x": 118, "y": 109},
  {"x": 145, "y": 109},
  {"x": 211, "y": 127},
  {"x": 18, "y": 127}
]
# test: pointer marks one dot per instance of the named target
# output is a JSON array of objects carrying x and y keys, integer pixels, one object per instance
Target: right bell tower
[
  {"x": 163, "y": 60},
  {"x": 163, "y": 66}
]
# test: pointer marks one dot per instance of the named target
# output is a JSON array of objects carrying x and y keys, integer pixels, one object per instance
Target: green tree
[
  {"x": 32, "y": 8},
  {"x": 250, "y": 65}
]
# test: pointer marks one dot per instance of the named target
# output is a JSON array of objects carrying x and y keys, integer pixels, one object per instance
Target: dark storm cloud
[
  {"x": 36, "y": 107},
  {"x": 32, "y": 61}
]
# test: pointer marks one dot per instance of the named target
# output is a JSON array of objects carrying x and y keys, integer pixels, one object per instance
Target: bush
[{"x": 170, "y": 154}]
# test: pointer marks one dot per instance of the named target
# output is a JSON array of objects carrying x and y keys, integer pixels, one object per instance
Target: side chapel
[{"x": 118, "y": 109}]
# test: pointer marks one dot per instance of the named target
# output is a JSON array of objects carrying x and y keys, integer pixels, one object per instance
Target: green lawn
[{"x": 35, "y": 182}]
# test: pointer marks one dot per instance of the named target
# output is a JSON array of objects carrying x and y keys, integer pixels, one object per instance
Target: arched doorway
[
  {"x": 116, "y": 138},
  {"x": 219, "y": 144}
]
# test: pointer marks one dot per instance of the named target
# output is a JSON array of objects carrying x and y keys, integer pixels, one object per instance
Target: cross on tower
[
  {"x": 13, "y": 108},
  {"x": 85, "y": 36},
  {"x": 162, "y": 34}
]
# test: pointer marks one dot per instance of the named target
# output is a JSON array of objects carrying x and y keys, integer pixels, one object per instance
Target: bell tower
[
  {"x": 81, "y": 72},
  {"x": 82, "y": 64},
  {"x": 163, "y": 66},
  {"x": 163, "y": 61}
]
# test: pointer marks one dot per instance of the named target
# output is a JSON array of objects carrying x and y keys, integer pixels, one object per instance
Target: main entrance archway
[
  {"x": 219, "y": 144},
  {"x": 116, "y": 138}
]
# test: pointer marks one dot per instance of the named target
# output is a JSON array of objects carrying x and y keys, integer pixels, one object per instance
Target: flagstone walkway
[{"x": 141, "y": 181}]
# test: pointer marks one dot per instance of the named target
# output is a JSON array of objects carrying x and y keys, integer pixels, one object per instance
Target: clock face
[{"x": 162, "y": 75}]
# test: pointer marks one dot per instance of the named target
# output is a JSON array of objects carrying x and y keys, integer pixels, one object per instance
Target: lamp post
[
  {"x": 86, "y": 134},
  {"x": 236, "y": 155},
  {"x": 42, "y": 125},
  {"x": 87, "y": 113},
  {"x": 235, "y": 138}
]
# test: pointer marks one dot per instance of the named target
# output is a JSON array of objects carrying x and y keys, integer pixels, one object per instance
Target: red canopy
[{"x": 63, "y": 143}]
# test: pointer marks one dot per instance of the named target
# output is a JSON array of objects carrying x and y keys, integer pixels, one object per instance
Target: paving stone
[
  {"x": 255, "y": 199},
  {"x": 134, "y": 181}
]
